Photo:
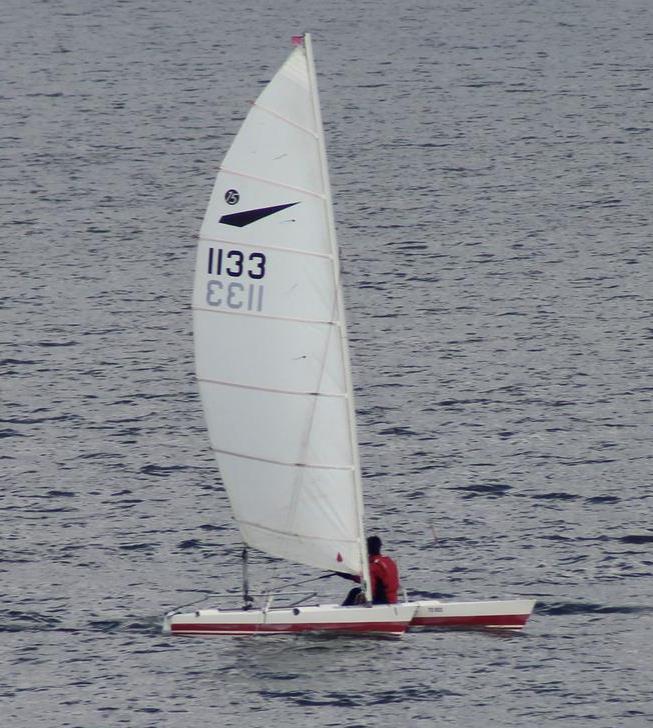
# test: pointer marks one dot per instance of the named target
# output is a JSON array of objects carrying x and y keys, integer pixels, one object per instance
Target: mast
[{"x": 342, "y": 329}]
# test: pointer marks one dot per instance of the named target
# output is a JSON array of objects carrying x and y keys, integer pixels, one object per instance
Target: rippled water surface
[{"x": 491, "y": 165}]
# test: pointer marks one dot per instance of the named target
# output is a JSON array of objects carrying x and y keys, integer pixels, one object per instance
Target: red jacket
[{"x": 385, "y": 579}]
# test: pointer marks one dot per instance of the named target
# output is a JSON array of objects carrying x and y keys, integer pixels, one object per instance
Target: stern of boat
[{"x": 389, "y": 620}]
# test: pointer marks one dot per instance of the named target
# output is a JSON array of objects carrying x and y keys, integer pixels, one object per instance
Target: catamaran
[{"x": 274, "y": 375}]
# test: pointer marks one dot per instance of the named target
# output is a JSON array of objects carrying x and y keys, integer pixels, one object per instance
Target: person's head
[{"x": 374, "y": 545}]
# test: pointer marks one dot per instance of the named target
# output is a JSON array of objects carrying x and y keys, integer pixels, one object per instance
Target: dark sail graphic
[{"x": 240, "y": 219}]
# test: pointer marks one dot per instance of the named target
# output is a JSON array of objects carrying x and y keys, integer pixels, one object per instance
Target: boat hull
[
  {"x": 387, "y": 620},
  {"x": 509, "y": 614}
]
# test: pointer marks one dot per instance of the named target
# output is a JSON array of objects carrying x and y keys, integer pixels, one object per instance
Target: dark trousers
[{"x": 356, "y": 596}]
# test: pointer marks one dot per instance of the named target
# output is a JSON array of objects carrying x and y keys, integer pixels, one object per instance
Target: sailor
[{"x": 384, "y": 576}]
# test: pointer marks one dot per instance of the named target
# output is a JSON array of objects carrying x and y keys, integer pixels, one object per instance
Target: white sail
[{"x": 270, "y": 343}]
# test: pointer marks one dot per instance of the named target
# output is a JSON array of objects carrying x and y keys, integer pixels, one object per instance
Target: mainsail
[{"x": 270, "y": 342}]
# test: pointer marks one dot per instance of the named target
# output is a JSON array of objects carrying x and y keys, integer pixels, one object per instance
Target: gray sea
[{"x": 491, "y": 167}]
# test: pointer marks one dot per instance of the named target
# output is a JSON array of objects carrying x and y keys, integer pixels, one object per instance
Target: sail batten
[
  {"x": 262, "y": 527},
  {"x": 263, "y": 246},
  {"x": 206, "y": 380},
  {"x": 274, "y": 182},
  {"x": 245, "y": 456},
  {"x": 285, "y": 119},
  {"x": 249, "y": 314},
  {"x": 273, "y": 368}
]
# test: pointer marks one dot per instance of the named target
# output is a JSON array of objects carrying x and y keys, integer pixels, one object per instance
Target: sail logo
[
  {"x": 247, "y": 217},
  {"x": 231, "y": 197}
]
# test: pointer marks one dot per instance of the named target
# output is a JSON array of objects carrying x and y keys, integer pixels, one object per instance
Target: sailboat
[{"x": 274, "y": 375}]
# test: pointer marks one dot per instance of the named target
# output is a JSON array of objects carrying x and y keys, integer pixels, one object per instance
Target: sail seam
[
  {"x": 276, "y": 248},
  {"x": 286, "y": 119},
  {"x": 301, "y": 190},
  {"x": 317, "y": 466},
  {"x": 249, "y": 314},
  {"x": 271, "y": 389}
]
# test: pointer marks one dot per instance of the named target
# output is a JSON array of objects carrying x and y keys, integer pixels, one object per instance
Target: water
[{"x": 491, "y": 166}]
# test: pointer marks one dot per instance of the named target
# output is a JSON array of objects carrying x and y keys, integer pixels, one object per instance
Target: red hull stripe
[
  {"x": 491, "y": 620},
  {"x": 379, "y": 627}
]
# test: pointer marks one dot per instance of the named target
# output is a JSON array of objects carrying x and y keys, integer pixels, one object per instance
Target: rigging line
[
  {"x": 272, "y": 461},
  {"x": 203, "y": 598},
  {"x": 273, "y": 182},
  {"x": 282, "y": 585},
  {"x": 256, "y": 388},
  {"x": 254, "y": 315},
  {"x": 260, "y": 246},
  {"x": 286, "y": 119}
]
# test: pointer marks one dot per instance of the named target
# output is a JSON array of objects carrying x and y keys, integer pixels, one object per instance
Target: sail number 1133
[
  {"x": 244, "y": 295},
  {"x": 235, "y": 263}
]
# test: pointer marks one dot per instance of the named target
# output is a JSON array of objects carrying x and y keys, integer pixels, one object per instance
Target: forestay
[{"x": 271, "y": 350}]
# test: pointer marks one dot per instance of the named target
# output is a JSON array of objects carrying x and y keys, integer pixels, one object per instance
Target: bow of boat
[{"x": 508, "y": 614}]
